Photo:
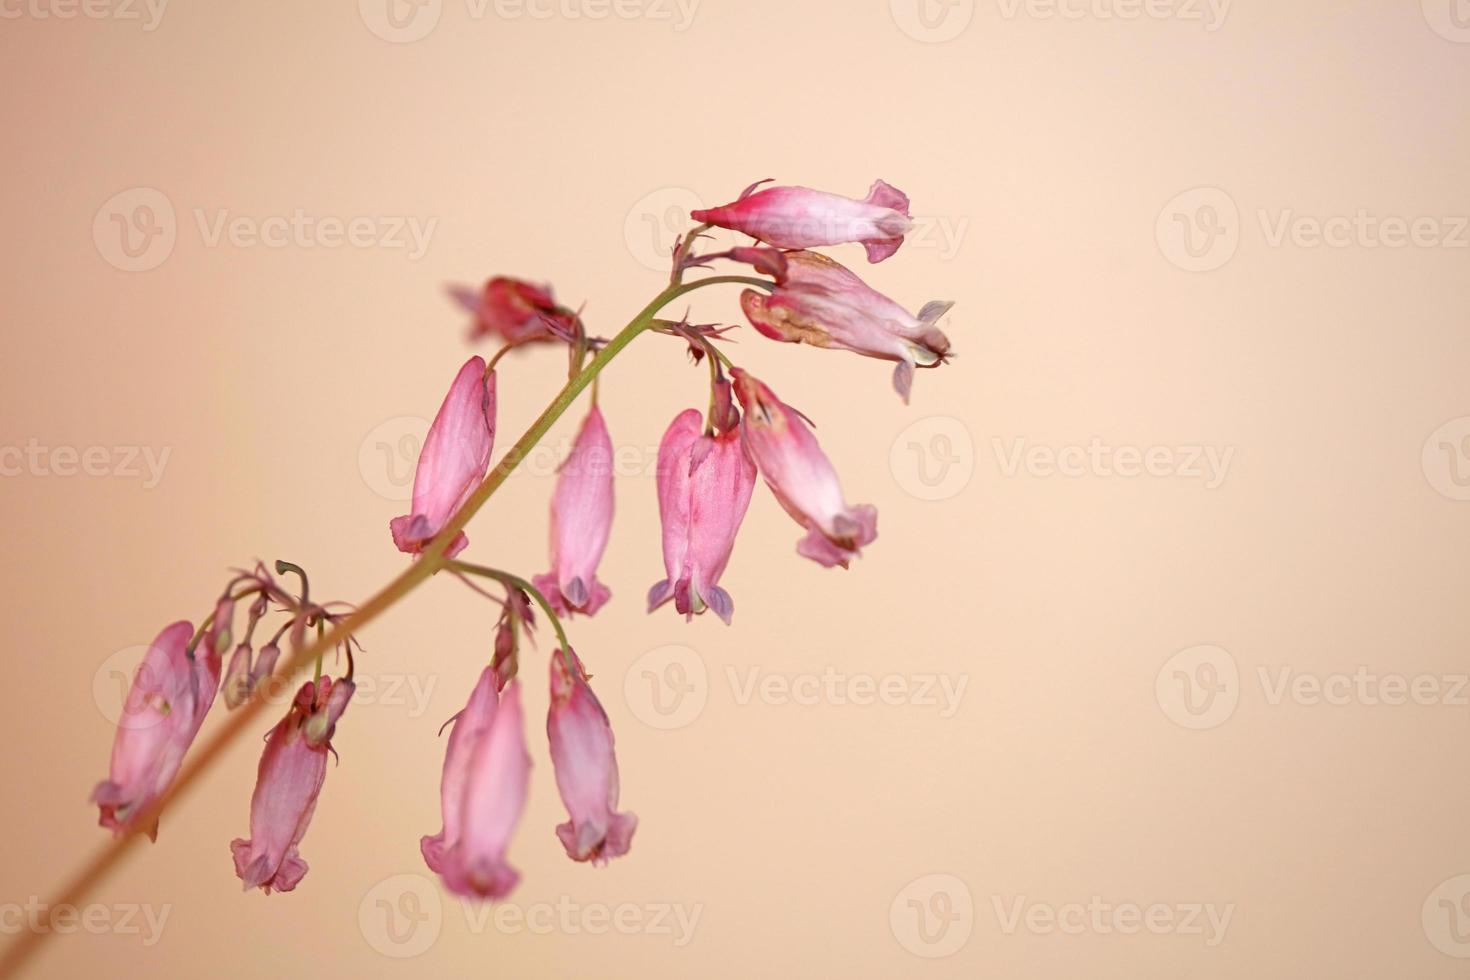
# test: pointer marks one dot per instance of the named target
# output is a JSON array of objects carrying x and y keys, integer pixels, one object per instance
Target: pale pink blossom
[
  {"x": 799, "y": 217},
  {"x": 581, "y": 521},
  {"x": 170, "y": 694},
  {"x": 801, "y": 476},
  {"x": 289, "y": 780},
  {"x": 455, "y": 456},
  {"x": 586, "y": 766},
  {"x": 823, "y": 304},
  {"x": 704, "y": 487},
  {"x": 482, "y": 793}
]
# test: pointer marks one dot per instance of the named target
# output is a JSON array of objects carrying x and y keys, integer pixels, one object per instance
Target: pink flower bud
[
  {"x": 586, "y": 766},
  {"x": 453, "y": 461},
  {"x": 292, "y": 771},
  {"x": 166, "y": 704},
  {"x": 798, "y": 217},
  {"x": 482, "y": 793},
  {"x": 221, "y": 624},
  {"x": 801, "y": 476},
  {"x": 514, "y": 310},
  {"x": 238, "y": 683},
  {"x": 581, "y": 521},
  {"x": 704, "y": 487},
  {"x": 823, "y": 304}
]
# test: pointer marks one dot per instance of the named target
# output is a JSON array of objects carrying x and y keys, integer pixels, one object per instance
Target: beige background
[{"x": 1057, "y": 163}]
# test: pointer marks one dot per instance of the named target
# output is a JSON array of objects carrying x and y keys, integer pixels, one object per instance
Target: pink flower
[
  {"x": 823, "y": 304},
  {"x": 166, "y": 703},
  {"x": 483, "y": 791},
  {"x": 581, "y": 520},
  {"x": 798, "y": 217},
  {"x": 241, "y": 678},
  {"x": 801, "y": 477},
  {"x": 453, "y": 461},
  {"x": 586, "y": 766},
  {"x": 704, "y": 487},
  {"x": 515, "y": 310},
  {"x": 292, "y": 771}
]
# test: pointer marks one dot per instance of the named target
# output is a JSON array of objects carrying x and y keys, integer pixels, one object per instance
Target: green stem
[{"x": 515, "y": 582}]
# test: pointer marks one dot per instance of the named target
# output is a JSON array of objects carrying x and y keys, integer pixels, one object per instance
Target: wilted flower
[
  {"x": 586, "y": 766},
  {"x": 292, "y": 771},
  {"x": 453, "y": 461},
  {"x": 581, "y": 521},
  {"x": 515, "y": 310},
  {"x": 801, "y": 476},
  {"x": 823, "y": 304},
  {"x": 799, "y": 217},
  {"x": 487, "y": 773},
  {"x": 704, "y": 487}
]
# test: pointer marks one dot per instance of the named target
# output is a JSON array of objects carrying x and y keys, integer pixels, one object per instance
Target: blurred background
[{"x": 1157, "y": 667}]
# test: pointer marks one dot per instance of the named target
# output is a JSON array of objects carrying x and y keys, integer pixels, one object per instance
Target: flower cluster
[{"x": 708, "y": 463}]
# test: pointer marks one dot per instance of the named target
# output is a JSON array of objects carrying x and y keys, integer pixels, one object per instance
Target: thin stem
[{"x": 76, "y": 888}]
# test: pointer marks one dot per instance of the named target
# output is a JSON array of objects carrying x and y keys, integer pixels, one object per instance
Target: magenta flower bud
[
  {"x": 265, "y": 664},
  {"x": 221, "y": 624},
  {"x": 823, "y": 304},
  {"x": 238, "y": 682},
  {"x": 586, "y": 766},
  {"x": 482, "y": 793},
  {"x": 581, "y": 521},
  {"x": 161, "y": 715},
  {"x": 289, "y": 780},
  {"x": 801, "y": 477},
  {"x": 799, "y": 217},
  {"x": 514, "y": 310},
  {"x": 453, "y": 461},
  {"x": 704, "y": 487}
]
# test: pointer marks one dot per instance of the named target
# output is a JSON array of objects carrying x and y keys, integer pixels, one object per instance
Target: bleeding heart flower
[
  {"x": 704, "y": 487},
  {"x": 823, "y": 304},
  {"x": 581, "y": 521},
  {"x": 170, "y": 694},
  {"x": 801, "y": 476},
  {"x": 799, "y": 217},
  {"x": 292, "y": 771},
  {"x": 487, "y": 772},
  {"x": 586, "y": 766},
  {"x": 517, "y": 311},
  {"x": 453, "y": 461}
]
